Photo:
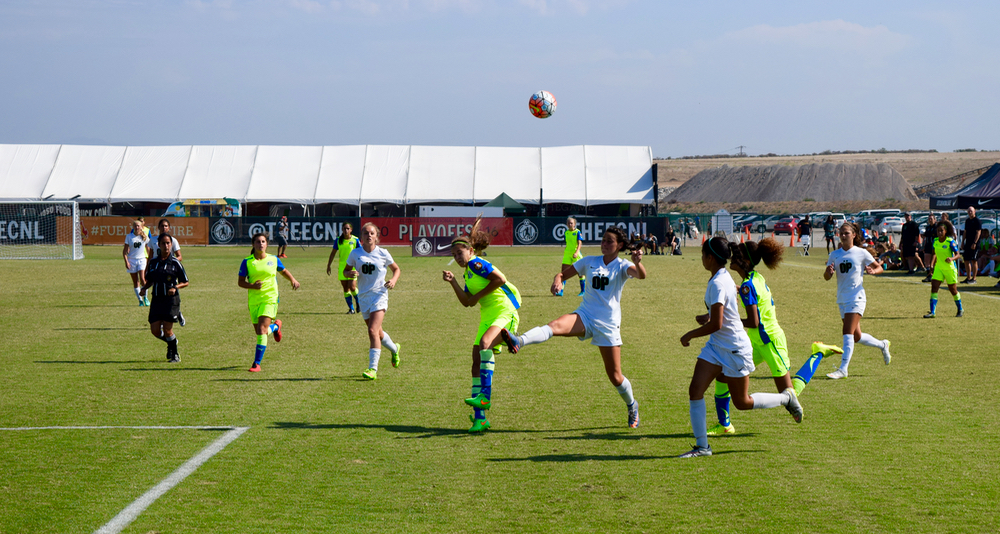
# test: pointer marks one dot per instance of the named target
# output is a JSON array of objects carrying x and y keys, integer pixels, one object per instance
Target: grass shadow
[
  {"x": 93, "y": 306},
  {"x": 103, "y": 329},
  {"x": 92, "y": 361},
  {"x": 418, "y": 431},
  {"x": 267, "y": 380},
  {"x": 616, "y": 436},
  {"x": 581, "y": 458},
  {"x": 174, "y": 369}
]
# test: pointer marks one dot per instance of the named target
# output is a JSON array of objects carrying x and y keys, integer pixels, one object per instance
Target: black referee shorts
[{"x": 165, "y": 309}]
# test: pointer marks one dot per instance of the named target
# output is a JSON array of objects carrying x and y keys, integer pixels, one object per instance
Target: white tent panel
[
  {"x": 285, "y": 174},
  {"x": 441, "y": 174},
  {"x": 87, "y": 171},
  {"x": 386, "y": 172},
  {"x": 619, "y": 174},
  {"x": 24, "y": 169},
  {"x": 515, "y": 171},
  {"x": 340, "y": 174},
  {"x": 151, "y": 173},
  {"x": 218, "y": 171},
  {"x": 564, "y": 175}
]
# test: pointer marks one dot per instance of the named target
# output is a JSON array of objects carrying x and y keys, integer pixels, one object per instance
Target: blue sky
[{"x": 685, "y": 78}]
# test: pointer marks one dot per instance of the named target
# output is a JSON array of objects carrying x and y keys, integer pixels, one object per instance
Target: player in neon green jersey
[
  {"x": 766, "y": 336},
  {"x": 574, "y": 243},
  {"x": 498, "y": 302},
  {"x": 946, "y": 253},
  {"x": 344, "y": 245},
  {"x": 258, "y": 275}
]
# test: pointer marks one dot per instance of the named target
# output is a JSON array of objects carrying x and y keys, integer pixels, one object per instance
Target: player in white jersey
[
  {"x": 850, "y": 263},
  {"x": 728, "y": 354},
  {"x": 369, "y": 264},
  {"x": 134, "y": 254},
  {"x": 599, "y": 316}
]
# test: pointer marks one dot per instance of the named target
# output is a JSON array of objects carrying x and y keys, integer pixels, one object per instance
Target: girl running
[
  {"x": 572, "y": 251},
  {"x": 850, "y": 263},
  {"x": 346, "y": 243},
  {"x": 258, "y": 275},
  {"x": 728, "y": 353},
  {"x": 946, "y": 254},
  {"x": 134, "y": 254},
  {"x": 498, "y": 302},
  {"x": 599, "y": 316},
  {"x": 167, "y": 277},
  {"x": 766, "y": 336},
  {"x": 373, "y": 293}
]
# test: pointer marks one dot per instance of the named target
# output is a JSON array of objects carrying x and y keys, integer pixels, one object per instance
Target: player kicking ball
[{"x": 599, "y": 316}]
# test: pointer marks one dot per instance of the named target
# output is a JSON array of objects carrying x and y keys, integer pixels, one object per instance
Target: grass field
[{"x": 910, "y": 447}]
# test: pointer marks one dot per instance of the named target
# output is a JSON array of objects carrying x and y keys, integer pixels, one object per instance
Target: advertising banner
[
  {"x": 304, "y": 231},
  {"x": 403, "y": 230},
  {"x": 550, "y": 230},
  {"x": 431, "y": 246},
  {"x": 112, "y": 230}
]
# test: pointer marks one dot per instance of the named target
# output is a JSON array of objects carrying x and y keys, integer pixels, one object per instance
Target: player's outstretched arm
[
  {"x": 396, "y": 271},
  {"x": 329, "y": 262},
  {"x": 288, "y": 276}
]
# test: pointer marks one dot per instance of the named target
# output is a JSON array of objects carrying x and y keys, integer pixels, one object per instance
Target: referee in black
[{"x": 166, "y": 276}]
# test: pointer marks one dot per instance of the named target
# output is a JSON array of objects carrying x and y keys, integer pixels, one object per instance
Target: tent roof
[
  {"x": 583, "y": 174},
  {"x": 987, "y": 185}
]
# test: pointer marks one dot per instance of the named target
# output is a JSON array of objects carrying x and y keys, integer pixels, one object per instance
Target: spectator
[
  {"x": 890, "y": 258},
  {"x": 909, "y": 242},
  {"x": 930, "y": 234},
  {"x": 671, "y": 242},
  {"x": 805, "y": 234},
  {"x": 282, "y": 237},
  {"x": 970, "y": 246},
  {"x": 830, "y": 233},
  {"x": 650, "y": 243}
]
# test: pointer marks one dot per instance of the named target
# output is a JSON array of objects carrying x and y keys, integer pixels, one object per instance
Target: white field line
[
  {"x": 132, "y": 511},
  {"x": 994, "y": 297}
]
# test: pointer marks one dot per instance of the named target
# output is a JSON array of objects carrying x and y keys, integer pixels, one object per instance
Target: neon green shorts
[
  {"x": 947, "y": 274},
  {"x": 774, "y": 354},
  {"x": 262, "y": 309},
  {"x": 503, "y": 318},
  {"x": 569, "y": 258}
]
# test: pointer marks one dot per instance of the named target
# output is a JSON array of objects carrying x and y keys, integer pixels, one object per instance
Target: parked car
[
  {"x": 891, "y": 224},
  {"x": 786, "y": 225},
  {"x": 767, "y": 224}
]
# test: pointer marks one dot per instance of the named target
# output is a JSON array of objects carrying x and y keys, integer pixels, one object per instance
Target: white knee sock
[
  {"x": 625, "y": 390},
  {"x": 763, "y": 401},
  {"x": 387, "y": 342},
  {"x": 137, "y": 295},
  {"x": 869, "y": 340},
  {"x": 698, "y": 424},
  {"x": 845, "y": 359},
  {"x": 538, "y": 334},
  {"x": 373, "y": 356}
]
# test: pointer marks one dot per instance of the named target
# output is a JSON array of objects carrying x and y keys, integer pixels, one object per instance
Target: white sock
[
  {"x": 538, "y": 334},
  {"x": 698, "y": 424},
  {"x": 845, "y": 359},
  {"x": 373, "y": 355},
  {"x": 763, "y": 401},
  {"x": 137, "y": 295},
  {"x": 625, "y": 390},
  {"x": 869, "y": 340},
  {"x": 387, "y": 342}
]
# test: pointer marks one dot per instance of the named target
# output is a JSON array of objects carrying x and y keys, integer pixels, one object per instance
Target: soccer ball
[{"x": 542, "y": 104}]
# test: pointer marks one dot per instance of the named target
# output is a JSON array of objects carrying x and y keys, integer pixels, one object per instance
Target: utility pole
[{"x": 741, "y": 154}]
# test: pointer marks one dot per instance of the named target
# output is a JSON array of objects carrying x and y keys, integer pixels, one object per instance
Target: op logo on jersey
[
  {"x": 526, "y": 232},
  {"x": 368, "y": 268},
  {"x": 845, "y": 267},
  {"x": 599, "y": 282},
  {"x": 136, "y": 244}
]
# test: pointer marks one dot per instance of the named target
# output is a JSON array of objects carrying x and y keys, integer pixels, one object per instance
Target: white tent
[{"x": 585, "y": 174}]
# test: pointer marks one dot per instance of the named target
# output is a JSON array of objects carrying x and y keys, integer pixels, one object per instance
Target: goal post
[{"x": 40, "y": 230}]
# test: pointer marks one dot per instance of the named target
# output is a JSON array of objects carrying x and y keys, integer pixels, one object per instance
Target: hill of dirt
[{"x": 825, "y": 182}]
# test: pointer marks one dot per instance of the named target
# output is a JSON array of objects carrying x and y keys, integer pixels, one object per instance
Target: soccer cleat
[
  {"x": 827, "y": 350},
  {"x": 838, "y": 374},
  {"x": 697, "y": 451},
  {"x": 633, "y": 415},
  {"x": 255, "y": 368},
  {"x": 960, "y": 313},
  {"x": 351, "y": 311},
  {"x": 886, "y": 357},
  {"x": 370, "y": 374},
  {"x": 580, "y": 294},
  {"x": 145, "y": 300},
  {"x": 174, "y": 358},
  {"x": 793, "y": 406},
  {"x": 277, "y": 333},
  {"x": 479, "y": 425},
  {"x": 479, "y": 401},
  {"x": 142, "y": 303},
  {"x": 929, "y": 315},
  {"x": 512, "y": 341},
  {"x": 560, "y": 293},
  {"x": 973, "y": 281},
  {"x": 395, "y": 355},
  {"x": 719, "y": 430}
]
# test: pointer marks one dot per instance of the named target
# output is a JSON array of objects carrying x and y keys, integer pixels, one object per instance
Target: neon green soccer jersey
[
  {"x": 265, "y": 270},
  {"x": 505, "y": 297},
  {"x": 754, "y": 291},
  {"x": 569, "y": 254},
  {"x": 344, "y": 248}
]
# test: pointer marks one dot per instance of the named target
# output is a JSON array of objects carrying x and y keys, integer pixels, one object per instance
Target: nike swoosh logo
[
  {"x": 981, "y": 202},
  {"x": 444, "y": 247}
]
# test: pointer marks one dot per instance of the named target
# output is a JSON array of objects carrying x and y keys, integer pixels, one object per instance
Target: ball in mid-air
[{"x": 542, "y": 104}]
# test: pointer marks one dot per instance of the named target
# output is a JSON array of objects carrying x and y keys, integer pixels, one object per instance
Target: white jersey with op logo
[
  {"x": 849, "y": 265},
  {"x": 136, "y": 246},
  {"x": 371, "y": 268},
  {"x": 731, "y": 338},
  {"x": 603, "y": 292}
]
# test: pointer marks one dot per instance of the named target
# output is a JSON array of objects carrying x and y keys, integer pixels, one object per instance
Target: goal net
[{"x": 40, "y": 231}]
